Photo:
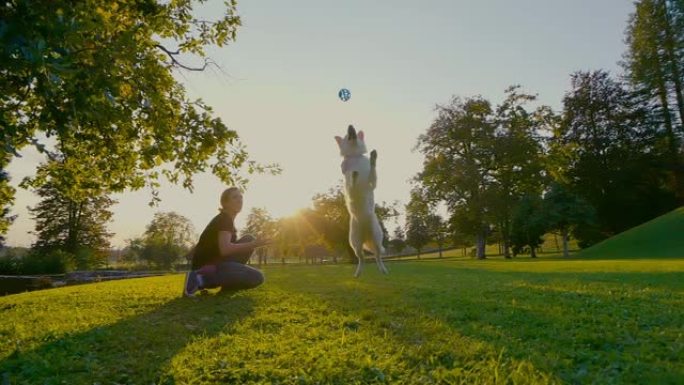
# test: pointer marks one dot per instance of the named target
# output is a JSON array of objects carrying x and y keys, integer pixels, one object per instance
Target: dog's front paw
[{"x": 373, "y": 157}]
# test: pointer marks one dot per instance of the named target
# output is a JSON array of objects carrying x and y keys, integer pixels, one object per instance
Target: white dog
[{"x": 360, "y": 179}]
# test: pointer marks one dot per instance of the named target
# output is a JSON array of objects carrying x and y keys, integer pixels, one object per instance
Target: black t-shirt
[{"x": 207, "y": 250}]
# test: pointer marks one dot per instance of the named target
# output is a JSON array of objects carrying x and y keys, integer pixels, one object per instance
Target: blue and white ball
[{"x": 344, "y": 94}]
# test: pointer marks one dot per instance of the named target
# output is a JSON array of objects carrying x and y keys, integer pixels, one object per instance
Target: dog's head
[{"x": 352, "y": 144}]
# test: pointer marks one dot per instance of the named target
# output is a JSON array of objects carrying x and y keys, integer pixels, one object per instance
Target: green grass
[
  {"x": 525, "y": 321},
  {"x": 662, "y": 237}
]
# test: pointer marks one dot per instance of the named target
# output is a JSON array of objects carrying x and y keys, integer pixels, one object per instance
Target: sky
[{"x": 279, "y": 80}]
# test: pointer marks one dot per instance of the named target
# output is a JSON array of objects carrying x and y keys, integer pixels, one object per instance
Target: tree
[
  {"x": 417, "y": 226},
  {"x": 458, "y": 155},
  {"x": 529, "y": 224},
  {"x": 333, "y": 221},
  {"x": 385, "y": 211},
  {"x": 134, "y": 250},
  {"x": 655, "y": 57},
  {"x": 654, "y": 63},
  {"x": 262, "y": 226},
  {"x": 398, "y": 243},
  {"x": 517, "y": 168},
  {"x": 437, "y": 230},
  {"x": 611, "y": 154},
  {"x": 75, "y": 227},
  {"x": 566, "y": 212},
  {"x": 167, "y": 238},
  {"x": 6, "y": 200},
  {"x": 458, "y": 239},
  {"x": 97, "y": 79}
]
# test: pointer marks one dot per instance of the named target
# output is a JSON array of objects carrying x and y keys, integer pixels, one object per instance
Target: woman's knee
[{"x": 256, "y": 279}]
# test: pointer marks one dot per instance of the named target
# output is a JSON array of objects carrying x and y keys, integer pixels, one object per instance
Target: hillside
[{"x": 662, "y": 237}]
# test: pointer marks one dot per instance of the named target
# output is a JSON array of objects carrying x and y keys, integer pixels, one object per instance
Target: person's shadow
[{"x": 134, "y": 350}]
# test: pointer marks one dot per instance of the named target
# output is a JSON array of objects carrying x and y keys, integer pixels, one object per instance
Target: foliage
[
  {"x": 614, "y": 163},
  {"x": 96, "y": 78},
  {"x": 259, "y": 223},
  {"x": 6, "y": 201},
  {"x": 50, "y": 261},
  {"x": 166, "y": 239},
  {"x": 78, "y": 228},
  {"x": 654, "y": 62},
  {"x": 386, "y": 211},
  {"x": 528, "y": 225},
  {"x": 567, "y": 213},
  {"x": 397, "y": 243},
  {"x": 10, "y": 264},
  {"x": 296, "y": 232},
  {"x": 333, "y": 221},
  {"x": 262, "y": 226},
  {"x": 438, "y": 230},
  {"x": 550, "y": 322},
  {"x": 457, "y": 149},
  {"x": 418, "y": 231},
  {"x": 480, "y": 161}
]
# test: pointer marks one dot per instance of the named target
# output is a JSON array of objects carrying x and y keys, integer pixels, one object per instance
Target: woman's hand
[{"x": 262, "y": 242}]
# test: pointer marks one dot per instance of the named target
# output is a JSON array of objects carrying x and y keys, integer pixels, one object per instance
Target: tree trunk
[
  {"x": 533, "y": 252},
  {"x": 440, "y": 250},
  {"x": 506, "y": 249},
  {"x": 73, "y": 227},
  {"x": 564, "y": 233},
  {"x": 555, "y": 240},
  {"x": 678, "y": 93},
  {"x": 481, "y": 245},
  {"x": 662, "y": 95}
]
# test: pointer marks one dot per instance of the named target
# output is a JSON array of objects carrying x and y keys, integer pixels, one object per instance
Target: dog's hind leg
[
  {"x": 356, "y": 243},
  {"x": 378, "y": 250},
  {"x": 378, "y": 260},
  {"x": 373, "y": 176},
  {"x": 358, "y": 250}
]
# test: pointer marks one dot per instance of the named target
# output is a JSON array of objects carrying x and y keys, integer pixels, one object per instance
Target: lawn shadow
[
  {"x": 133, "y": 350},
  {"x": 622, "y": 327}
]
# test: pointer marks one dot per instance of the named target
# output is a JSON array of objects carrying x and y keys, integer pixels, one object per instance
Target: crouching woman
[{"x": 220, "y": 259}]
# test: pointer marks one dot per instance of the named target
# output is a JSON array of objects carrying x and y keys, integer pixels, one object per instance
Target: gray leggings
[{"x": 233, "y": 273}]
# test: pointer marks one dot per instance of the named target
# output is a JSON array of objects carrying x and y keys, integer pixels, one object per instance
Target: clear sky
[{"x": 278, "y": 88}]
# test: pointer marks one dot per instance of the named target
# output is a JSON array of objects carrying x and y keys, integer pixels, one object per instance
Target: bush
[
  {"x": 10, "y": 264},
  {"x": 87, "y": 258},
  {"x": 48, "y": 262},
  {"x": 588, "y": 236}
]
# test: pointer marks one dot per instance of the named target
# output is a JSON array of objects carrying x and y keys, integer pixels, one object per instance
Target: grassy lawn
[{"x": 452, "y": 321}]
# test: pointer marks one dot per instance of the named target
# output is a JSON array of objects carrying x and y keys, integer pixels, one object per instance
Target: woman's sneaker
[{"x": 192, "y": 284}]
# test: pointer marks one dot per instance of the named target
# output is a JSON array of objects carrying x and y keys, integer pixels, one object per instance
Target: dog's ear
[
  {"x": 338, "y": 140},
  {"x": 360, "y": 135}
]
